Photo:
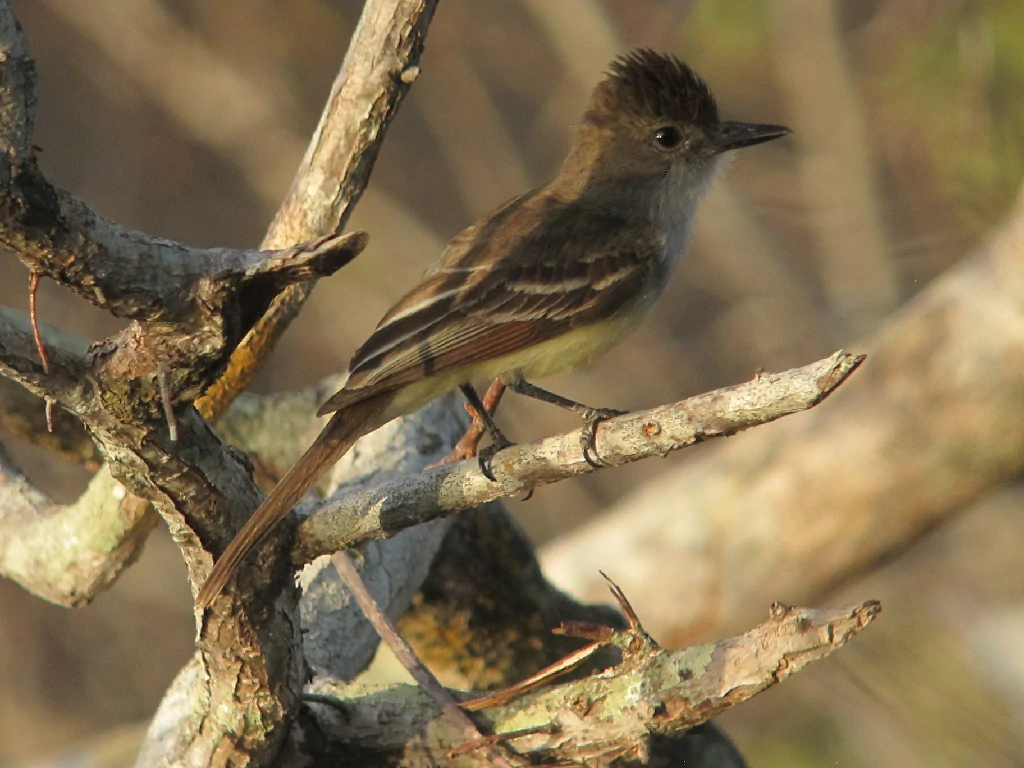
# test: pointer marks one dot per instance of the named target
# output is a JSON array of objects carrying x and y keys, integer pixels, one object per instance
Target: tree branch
[
  {"x": 391, "y": 507},
  {"x": 69, "y": 554},
  {"x": 843, "y": 203},
  {"x": 197, "y": 303},
  {"x": 37, "y": 551},
  {"x": 22, "y": 413},
  {"x": 619, "y": 714},
  {"x": 19, "y": 361}
]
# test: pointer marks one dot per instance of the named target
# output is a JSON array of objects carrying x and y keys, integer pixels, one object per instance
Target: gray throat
[{"x": 674, "y": 204}]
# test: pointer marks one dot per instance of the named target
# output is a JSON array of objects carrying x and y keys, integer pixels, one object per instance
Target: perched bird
[{"x": 546, "y": 282}]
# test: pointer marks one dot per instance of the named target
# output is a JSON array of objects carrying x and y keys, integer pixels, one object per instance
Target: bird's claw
[
  {"x": 588, "y": 438},
  {"x": 486, "y": 454}
]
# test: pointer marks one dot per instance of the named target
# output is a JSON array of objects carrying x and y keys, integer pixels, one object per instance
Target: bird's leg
[
  {"x": 592, "y": 416},
  {"x": 498, "y": 439},
  {"x": 469, "y": 443}
]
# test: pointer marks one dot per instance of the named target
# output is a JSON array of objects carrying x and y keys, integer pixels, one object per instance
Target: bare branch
[
  {"x": 617, "y": 714},
  {"x": 65, "y": 378},
  {"x": 68, "y": 554},
  {"x": 133, "y": 275},
  {"x": 391, "y": 507},
  {"x": 198, "y": 302}
]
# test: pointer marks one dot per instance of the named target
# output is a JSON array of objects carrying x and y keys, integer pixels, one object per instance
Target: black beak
[{"x": 738, "y": 135}]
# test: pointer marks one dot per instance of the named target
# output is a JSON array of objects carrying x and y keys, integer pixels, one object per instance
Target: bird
[{"x": 545, "y": 283}]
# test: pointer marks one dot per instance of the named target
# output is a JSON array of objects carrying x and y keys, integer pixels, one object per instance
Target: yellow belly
[{"x": 569, "y": 351}]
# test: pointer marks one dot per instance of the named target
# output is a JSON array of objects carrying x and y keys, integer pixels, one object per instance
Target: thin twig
[
  {"x": 33, "y": 286},
  {"x": 507, "y": 736},
  {"x": 624, "y": 604},
  {"x": 163, "y": 383},
  {"x": 598, "y": 634},
  {"x": 408, "y": 658},
  {"x": 165, "y": 398},
  {"x": 546, "y": 676}
]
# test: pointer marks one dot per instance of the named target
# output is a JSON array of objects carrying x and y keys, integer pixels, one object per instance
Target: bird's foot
[
  {"x": 485, "y": 455},
  {"x": 588, "y": 438}
]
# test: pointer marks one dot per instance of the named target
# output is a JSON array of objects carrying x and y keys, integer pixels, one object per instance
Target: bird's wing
[{"x": 476, "y": 306}]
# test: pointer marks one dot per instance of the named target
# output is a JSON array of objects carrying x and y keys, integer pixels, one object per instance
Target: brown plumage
[
  {"x": 546, "y": 282},
  {"x": 496, "y": 291}
]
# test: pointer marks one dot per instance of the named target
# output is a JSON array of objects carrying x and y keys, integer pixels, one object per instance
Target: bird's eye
[{"x": 668, "y": 137}]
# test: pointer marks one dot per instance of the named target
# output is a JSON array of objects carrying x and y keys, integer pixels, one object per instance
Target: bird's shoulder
[{"x": 540, "y": 229}]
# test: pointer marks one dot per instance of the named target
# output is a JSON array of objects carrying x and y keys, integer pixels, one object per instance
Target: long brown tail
[{"x": 342, "y": 431}]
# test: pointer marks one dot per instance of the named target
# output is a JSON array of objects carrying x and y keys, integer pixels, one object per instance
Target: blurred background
[{"x": 186, "y": 119}]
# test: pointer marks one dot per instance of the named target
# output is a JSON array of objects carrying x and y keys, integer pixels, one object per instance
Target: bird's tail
[{"x": 342, "y": 431}]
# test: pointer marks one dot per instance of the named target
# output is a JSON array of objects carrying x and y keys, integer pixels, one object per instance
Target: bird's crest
[{"x": 644, "y": 83}]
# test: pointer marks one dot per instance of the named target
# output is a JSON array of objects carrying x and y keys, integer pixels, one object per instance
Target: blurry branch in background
[
  {"x": 933, "y": 420},
  {"x": 468, "y": 117},
  {"x": 215, "y": 102},
  {"x": 594, "y": 42},
  {"x": 743, "y": 256},
  {"x": 837, "y": 163}
]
